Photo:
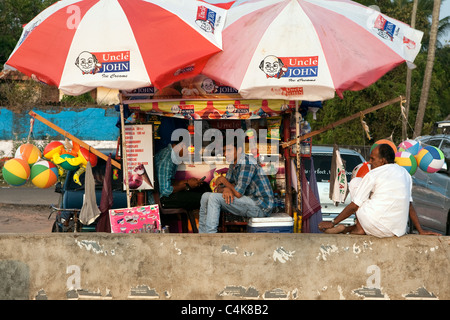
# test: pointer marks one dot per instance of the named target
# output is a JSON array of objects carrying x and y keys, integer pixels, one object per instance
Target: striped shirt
[
  {"x": 250, "y": 181},
  {"x": 165, "y": 171}
]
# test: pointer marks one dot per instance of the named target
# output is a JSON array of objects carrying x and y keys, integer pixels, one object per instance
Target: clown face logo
[
  {"x": 273, "y": 67},
  {"x": 87, "y": 63}
]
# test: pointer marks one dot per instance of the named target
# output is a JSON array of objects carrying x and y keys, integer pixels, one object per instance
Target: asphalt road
[{"x": 28, "y": 195}]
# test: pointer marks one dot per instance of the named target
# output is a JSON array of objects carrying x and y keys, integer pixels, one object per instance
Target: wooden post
[
  {"x": 342, "y": 121},
  {"x": 124, "y": 153}
]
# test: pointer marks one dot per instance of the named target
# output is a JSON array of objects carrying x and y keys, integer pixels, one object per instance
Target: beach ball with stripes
[
  {"x": 411, "y": 146},
  {"x": 44, "y": 174},
  {"x": 54, "y": 147},
  {"x": 361, "y": 170},
  {"x": 28, "y": 152},
  {"x": 384, "y": 141},
  {"x": 406, "y": 160},
  {"x": 16, "y": 171},
  {"x": 430, "y": 159}
]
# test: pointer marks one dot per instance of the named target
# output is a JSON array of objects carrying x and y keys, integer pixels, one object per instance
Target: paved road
[{"x": 28, "y": 195}]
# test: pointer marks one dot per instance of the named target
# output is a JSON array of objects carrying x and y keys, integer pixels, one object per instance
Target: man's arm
[
  {"x": 180, "y": 185},
  {"x": 415, "y": 221},
  {"x": 228, "y": 185},
  {"x": 350, "y": 209}
]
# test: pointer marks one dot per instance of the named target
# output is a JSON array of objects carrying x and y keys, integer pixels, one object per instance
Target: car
[
  {"x": 72, "y": 195},
  {"x": 322, "y": 156},
  {"x": 431, "y": 194}
]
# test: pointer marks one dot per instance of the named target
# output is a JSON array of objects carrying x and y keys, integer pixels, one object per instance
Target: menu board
[
  {"x": 139, "y": 156},
  {"x": 143, "y": 219}
]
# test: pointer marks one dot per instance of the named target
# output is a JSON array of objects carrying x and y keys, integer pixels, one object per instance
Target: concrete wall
[{"x": 223, "y": 266}]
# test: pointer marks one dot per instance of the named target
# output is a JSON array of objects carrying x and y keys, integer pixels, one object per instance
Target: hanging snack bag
[{"x": 273, "y": 128}]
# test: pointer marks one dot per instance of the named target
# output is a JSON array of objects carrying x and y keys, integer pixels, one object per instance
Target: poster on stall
[
  {"x": 139, "y": 153},
  {"x": 143, "y": 219}
]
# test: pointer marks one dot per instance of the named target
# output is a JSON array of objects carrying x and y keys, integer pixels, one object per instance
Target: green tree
[
  {"x": 13, "y": 15},
  {"x": 387, "y": 121}
]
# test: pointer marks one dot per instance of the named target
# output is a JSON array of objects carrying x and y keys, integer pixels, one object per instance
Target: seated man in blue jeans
[{"x": 246, "y": 191}]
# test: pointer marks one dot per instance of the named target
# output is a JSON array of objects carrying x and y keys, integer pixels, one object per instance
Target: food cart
[{"x": 200, "y": 104}]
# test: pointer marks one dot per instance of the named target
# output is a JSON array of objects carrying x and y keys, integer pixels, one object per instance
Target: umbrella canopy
[
  {"x": 78, "y": 45},
  {"x": 308, "y": 49}
]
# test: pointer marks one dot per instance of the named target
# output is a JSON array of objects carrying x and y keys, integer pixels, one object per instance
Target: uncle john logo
[
  {"x": 103, "y": 62},
  {"x": 290, "y": 67}
]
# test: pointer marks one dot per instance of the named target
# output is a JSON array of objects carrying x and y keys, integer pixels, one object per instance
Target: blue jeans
[{"x": 212, "y": 204}]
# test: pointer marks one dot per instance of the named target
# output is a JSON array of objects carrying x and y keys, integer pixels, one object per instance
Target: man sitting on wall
[
  {"x": 245, "y": 191},
  {"x": 381, "y": 202}
]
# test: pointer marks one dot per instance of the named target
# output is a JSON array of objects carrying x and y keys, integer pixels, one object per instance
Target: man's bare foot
[{"x": 336, "y": 229}]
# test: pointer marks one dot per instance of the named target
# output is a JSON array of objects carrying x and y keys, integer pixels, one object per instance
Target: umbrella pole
[
  {"x": 124, "y": 151},
  {"x": 299, "y": 186}
]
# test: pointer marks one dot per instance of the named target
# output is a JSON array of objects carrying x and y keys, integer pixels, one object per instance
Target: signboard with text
[{"x": 139, "y": 156}]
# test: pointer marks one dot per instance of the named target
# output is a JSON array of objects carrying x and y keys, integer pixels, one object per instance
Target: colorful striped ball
[
  {"x": 384, "y": 141},
  {"x": 411, "y": 146},
  {"x": 54, "y": 147},
  {"x": 430, "y": 159},
  {"x": 361, "y": 170},
  {"x": 16, "y": 171},
  {"x": 44, "y": 174},
  {"x": 28, "y": 152},
  {"x": 406, "y": 160}
]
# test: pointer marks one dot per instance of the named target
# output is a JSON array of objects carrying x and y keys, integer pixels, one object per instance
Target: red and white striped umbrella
[
  {"x": 78, "y": 45},
  {"x": 308, "y": 49}
]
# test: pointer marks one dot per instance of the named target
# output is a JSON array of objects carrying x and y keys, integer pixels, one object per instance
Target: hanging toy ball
[
  {"x": 44, "y": 174},
  {"x": 411, "y": 146},
  {"x": 406, "y": 160},
  {"x": 16, "y": 171},
  {"x": 384, "y": 141},
  {"x": 54, "y": 147},
  {"x": 430, "y": 159},
  {"x": 87, "y": 156},
  {"x": 28, "y": 152},
  {"x": 361, "y": 170}
]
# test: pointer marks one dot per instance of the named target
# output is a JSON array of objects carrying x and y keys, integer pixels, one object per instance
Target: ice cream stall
[{"x": 207, "y": 109}]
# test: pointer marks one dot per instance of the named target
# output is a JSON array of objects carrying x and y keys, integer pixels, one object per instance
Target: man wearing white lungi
[{"x": 382, "y": 200}]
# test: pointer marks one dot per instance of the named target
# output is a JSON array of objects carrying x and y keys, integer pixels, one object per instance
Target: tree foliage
[
  {"x": 387, "y": 122},
  {"x": 13, "y": 15}
]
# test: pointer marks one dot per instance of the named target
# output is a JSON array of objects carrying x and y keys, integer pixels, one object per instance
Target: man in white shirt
[{"x": 381, "y": 202}]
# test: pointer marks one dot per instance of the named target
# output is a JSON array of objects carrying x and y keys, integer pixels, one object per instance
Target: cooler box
[{"x": 276, "y": 223}]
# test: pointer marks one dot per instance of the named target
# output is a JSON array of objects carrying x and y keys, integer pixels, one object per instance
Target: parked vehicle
[
  {"x": 72, "y": 195},
  {"x": 431, "y": 194},
  {"x": 322, "y": 156}
]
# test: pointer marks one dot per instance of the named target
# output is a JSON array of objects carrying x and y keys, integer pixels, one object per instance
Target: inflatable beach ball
[
  {"x": 384, "y": 141},
  {"x": 411, "y": 146},
  {"x": 28, "y": 152},
  {"x": 44, "y": 174},
  {"x": 54, "y": 147},
  {"x": 407, "y": 161},
  {"x": 361, "y": 170},
  {"x": 430, "y": 159},
  {"x": 16, "y": 171}
]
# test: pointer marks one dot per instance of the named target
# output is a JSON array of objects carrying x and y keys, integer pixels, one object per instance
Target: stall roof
[{"x": 202, "y": 98}]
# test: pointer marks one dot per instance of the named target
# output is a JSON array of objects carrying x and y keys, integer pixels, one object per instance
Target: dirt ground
[{"x": 16, "y": 218}]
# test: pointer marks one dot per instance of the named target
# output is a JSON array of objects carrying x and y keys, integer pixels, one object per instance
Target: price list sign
[{"x": 139, "y": 156}]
